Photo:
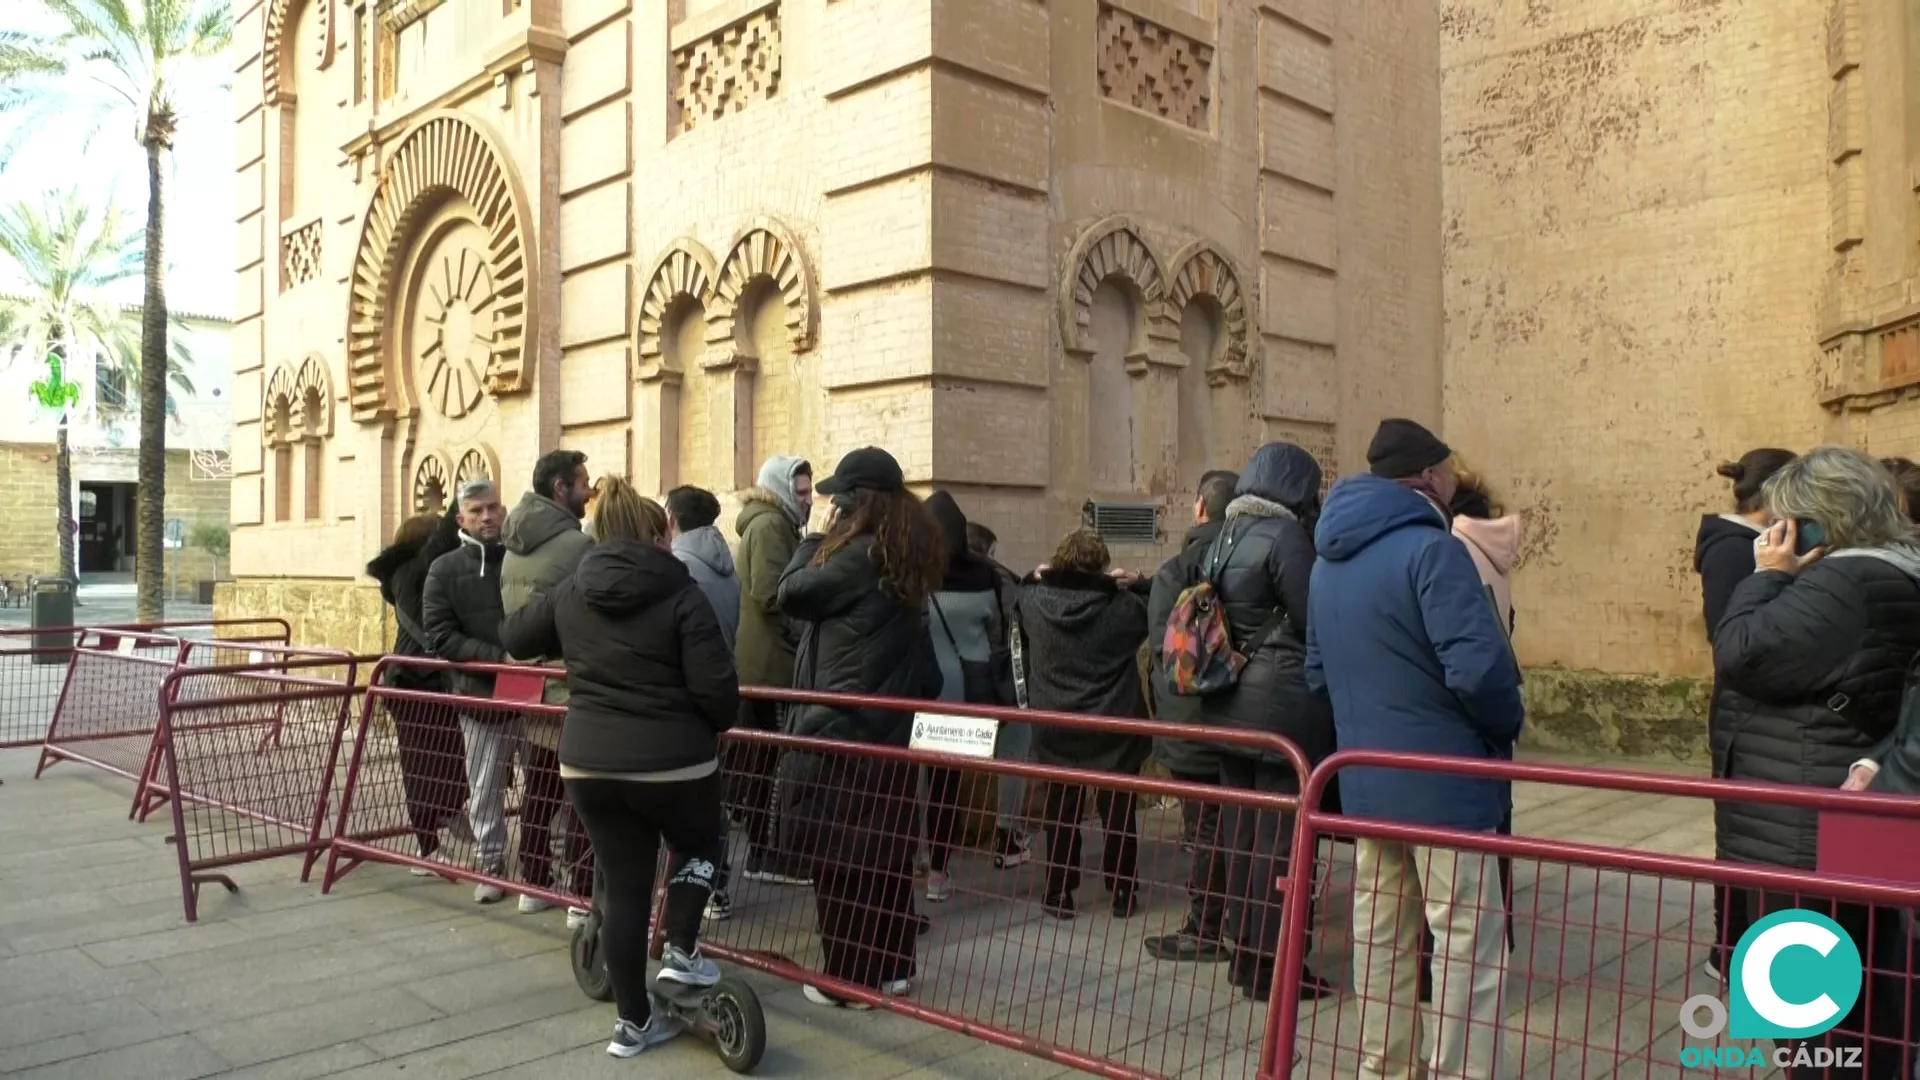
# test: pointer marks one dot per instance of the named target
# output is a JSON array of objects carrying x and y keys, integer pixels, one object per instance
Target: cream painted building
[
  {"x": 1675, "y": 230},
  {"x": 1051, "y": 254}
]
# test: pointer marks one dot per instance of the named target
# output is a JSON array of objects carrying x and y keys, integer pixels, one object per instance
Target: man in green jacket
[
  {"x": 772, "y": 514},
  {"x": 544, "y": 545}
]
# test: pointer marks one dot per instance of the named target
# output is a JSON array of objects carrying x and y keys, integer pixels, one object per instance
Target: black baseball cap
[{"x": 868, "y": 468}]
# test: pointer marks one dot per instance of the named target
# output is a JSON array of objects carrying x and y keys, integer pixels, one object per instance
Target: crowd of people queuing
[{"x": 1377, "y": 616}]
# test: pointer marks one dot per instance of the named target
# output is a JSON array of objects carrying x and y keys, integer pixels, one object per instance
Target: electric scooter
[{"x": 726, "y": 1015}]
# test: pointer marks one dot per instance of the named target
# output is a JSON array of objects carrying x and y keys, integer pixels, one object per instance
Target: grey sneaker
[
  {"x": 685, "y": 969},
  {"x": 631, "y": 1041},
  {"x": 488, "y": 894}
]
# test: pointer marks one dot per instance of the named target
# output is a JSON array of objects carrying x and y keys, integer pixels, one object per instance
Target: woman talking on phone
[
  {"x": 859, "y": 593},
  {"x": 1810, "y": 657}
]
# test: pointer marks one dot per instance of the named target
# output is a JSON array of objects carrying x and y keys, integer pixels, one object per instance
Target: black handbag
[{"x": 985, "y": 682}]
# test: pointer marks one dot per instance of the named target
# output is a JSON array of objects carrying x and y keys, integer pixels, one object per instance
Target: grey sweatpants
[{"x": 492, "y": 746}]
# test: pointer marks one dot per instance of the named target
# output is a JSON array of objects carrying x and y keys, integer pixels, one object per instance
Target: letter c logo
[
  {"x": 1756, "y": 975},
  {"x": 1808, "y": 954}
]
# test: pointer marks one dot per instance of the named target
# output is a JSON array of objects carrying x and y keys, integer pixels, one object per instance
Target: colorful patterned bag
[{"x": 1198, "y": 648}]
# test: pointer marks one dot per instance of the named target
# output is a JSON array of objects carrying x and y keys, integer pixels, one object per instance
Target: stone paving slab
[
  {"x": 392, "y": 976},
  {"x": 396, "y": 976}
]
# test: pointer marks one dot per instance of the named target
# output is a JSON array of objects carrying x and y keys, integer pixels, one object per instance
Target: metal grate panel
[{"x": 1124, "y": 523}]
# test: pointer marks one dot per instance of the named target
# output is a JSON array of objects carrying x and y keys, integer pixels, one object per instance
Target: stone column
[
  {"x": 656, "y": 431},
  {"x": 730, "y": 372}
]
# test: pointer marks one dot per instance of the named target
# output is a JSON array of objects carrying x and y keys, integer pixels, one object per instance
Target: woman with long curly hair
[{"x": 859, "y": 593}]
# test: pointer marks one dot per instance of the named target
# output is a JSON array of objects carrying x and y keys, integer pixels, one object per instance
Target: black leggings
[{"x": 626, "y": 820}]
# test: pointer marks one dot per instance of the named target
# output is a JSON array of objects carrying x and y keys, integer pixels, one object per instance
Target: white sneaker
[
  {"x": 576, "y": 917},
  {"x": 533, "y": 905},
  {"x": 685, "y": 969},
  {"x": 821, "y": 997},
  {"x": 630, "y": 1041},
  {"x": 897, "y": 988},
  {"x": 488, "y": 894},
  {"x": 939, "y": 887}
]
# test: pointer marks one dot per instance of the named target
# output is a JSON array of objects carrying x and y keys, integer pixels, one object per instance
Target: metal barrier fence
[
  {"x": 33, "y": 666},
  {"x": 109, "y": 706},
  {"x": 108, "y": 712},
  {"x": 1050, "y": 956},
  {"x": 248, "y": 760},
  {"x": 412, "y": 776},
  {"x": 227, "y": 667},
  {"x": 1599, "y": 951}
]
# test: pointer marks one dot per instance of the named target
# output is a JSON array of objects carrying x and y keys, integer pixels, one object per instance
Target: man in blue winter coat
[{"x": 1403, "y": 637}]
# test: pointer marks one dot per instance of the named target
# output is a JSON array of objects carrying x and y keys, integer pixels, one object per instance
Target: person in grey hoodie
[
  {"x": 772, "y": 513},
  {"x": 698, "y": 544},
  {"x": 968, "y": 617}
]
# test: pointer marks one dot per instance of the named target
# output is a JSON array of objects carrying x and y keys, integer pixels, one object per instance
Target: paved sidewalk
[{"x": 101, "y": 977}]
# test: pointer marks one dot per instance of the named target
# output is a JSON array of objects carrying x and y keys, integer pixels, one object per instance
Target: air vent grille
[{"x": 1125, "y": 522}]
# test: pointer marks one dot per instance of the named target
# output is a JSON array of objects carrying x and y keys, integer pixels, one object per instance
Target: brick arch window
[
  {"x": 1215, "y": 391},
  {"x": 1113, "y": 315}
]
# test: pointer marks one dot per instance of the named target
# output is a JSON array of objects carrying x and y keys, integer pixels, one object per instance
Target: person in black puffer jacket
[
  {"x": 1082, "y": 635},
  {"x": 1723, "y": 557},
  {"x": 651, "y": 685},
  {"x": 1261, "y": 563},
  {"x": 859, "y": 594},
  {"x": 1812, "y": 656},
  {"x": 433, "y": 762},
  {"x": 1191, "y": 761}
]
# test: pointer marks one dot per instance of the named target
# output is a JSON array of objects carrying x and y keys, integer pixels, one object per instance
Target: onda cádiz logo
[{"x": 1795, "y": 974}]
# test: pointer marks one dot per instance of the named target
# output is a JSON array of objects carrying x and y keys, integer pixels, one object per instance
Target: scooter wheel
[
  {"x": 739, "y": 1026},
  {"x": 590, "y": 962}
]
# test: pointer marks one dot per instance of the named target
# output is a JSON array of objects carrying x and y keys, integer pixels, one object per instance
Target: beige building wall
[
  {"x": 1870, "y": 308},
  {"x": 1049, "y": 254},
  {"x": 1639, "y": 210}
]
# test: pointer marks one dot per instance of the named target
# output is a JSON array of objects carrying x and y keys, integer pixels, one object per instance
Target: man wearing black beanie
[
  {"x": 1401, "y": 636},
  {"x": 1405, "y": 451}
]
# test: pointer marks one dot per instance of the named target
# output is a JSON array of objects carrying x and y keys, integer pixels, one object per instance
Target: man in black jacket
[
  {"x": 462, "y": 613},
  {"x": 1198, "y": 940}
]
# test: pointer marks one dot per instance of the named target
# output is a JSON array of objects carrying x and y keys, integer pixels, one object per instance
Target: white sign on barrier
[
  {"x": 126, "y": 646},
  {"x": 965, "y": 736},
  {"x": 255, "y": 656}
]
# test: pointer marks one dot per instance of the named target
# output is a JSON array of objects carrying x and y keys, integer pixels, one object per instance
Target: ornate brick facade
[{"x": 1048, "y": 253}]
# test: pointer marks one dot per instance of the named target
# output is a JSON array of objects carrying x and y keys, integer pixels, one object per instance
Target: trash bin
[{"x": 52, "y": 600}]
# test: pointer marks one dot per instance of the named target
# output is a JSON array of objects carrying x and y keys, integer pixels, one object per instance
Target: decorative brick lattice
[
  {"x": 1154, "y": 69},
  {"x": 300, "y": 255},
  {"x": 727, "y": 70}
]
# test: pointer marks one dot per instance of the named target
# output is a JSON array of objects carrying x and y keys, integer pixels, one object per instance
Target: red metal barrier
[
  {"x": 405, "y": 796},
  {"x": 33, "y": 666},
  {"x": 108, "y": 713},
  {"x": 995, "y": 959},
  {"x": 229, "y": 664},
  {"x": 109, "y": 705},
  {"x": 1607, "y": 944},
  {"x": 248, "y": 757}
]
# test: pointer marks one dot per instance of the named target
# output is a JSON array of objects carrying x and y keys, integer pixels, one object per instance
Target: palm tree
[
  {"x": 137, "y": 61},
  {"x": 66, "y": 256}
]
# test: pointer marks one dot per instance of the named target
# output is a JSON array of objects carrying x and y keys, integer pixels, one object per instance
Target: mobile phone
[{"x": 1808, "y": 534}]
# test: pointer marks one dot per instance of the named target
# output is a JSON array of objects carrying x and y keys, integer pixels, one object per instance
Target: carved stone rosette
[{"x": 485, "y": 290}]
